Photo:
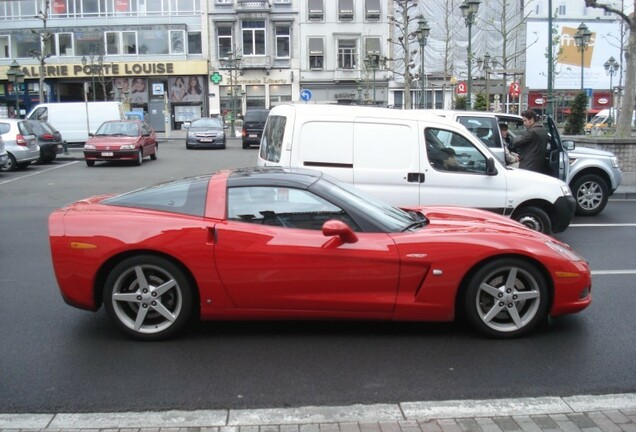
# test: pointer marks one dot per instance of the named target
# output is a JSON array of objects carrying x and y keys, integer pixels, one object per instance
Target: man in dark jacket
[{"x": 532, "y": 144}]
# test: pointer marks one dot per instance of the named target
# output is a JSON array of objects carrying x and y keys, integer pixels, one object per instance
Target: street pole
[
  {"x": 469, "y": 9},
  {"x": 582, "y": 40},
  {"x": 550, "y": 60},
  {"x": 611, "y": 66},
  {"x": 423, "y": 31}
]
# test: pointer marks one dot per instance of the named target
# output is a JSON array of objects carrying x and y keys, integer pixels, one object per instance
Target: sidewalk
[{"x": 606, "y": 413}]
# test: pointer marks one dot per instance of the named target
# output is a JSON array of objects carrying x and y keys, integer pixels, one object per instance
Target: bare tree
[
  {"x": 623, "y": 125},
  {"x": 41, "y": 55},
  {"x": 402, "y": 24}
]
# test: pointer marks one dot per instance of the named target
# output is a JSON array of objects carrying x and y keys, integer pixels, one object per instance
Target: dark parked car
[
  {"x": 206, "y": 132},
  {"x": 49, "y": 139},
  {"x": 253, "y": 125}
]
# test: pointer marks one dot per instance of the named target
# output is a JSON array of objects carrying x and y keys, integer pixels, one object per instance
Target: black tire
[
  {"x": 534, "y": 218},
  {"x": 154, "y": 155},
  {"x": 154, "y": 308},
  {"x": 591, "y": 193},
  {"x": 246, "y": 146},
  {"x": 23, "y": 165},
  {"x": 90, "y": 163},
  {"x": 188, "y": 147},
  {"x": 507, "y": 298},
  {"x": 140, "y": 158},
  {"x": 10, "y": 165}
]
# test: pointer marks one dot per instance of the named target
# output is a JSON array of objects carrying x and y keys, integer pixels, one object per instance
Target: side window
[
  {"x": 41, "y": 113},
  {"x": 282, "y": 207},
  {"x": 486, "y": 129},
  {"x": 272, "y": 140},
  {"x": 450, "y": 151}
]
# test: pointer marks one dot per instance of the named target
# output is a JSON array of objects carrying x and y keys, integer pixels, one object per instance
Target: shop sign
[{"x": 114, "y": 69}]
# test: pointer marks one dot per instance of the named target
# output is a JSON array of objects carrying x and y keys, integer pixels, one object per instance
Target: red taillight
[
  {"x": 48, "y": 137},
  {"x": 19, "y": 140},
  {"x": 244, "y": 132}
]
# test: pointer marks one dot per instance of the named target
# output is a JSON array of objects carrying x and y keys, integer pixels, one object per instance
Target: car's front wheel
[
  {"x": 534, "y": 218},
  {"x": 90, "y": 163},
  {"x": 155, "y": 153},
  {"x": 140, "y": 157},
  {"x": 148, "y": 297},
  {"x": 507, "y": 298},
  {"x": 591, "y": 193}
]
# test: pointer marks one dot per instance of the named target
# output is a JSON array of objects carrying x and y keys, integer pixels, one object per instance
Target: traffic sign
[
  {"x": 462, "y": 88},
  {"x": 305, "y": 95}
]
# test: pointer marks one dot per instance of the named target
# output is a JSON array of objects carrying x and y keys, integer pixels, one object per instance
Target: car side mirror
[
  {"x": 568, "y": 145},
  {"x": 336, "y": 228},
  {"x": 490, "y": 166}
]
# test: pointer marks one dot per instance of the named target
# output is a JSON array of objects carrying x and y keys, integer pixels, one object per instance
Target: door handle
[{"x": 415, "y": 177}]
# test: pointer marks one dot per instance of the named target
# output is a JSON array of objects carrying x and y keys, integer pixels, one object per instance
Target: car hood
[
  {"x": 205, "y": 130},
  {"x": 113, "y": 142},
  {"x": 589, "y": 152}
]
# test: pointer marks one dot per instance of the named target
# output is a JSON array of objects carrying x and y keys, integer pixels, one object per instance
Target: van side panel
[
  {"x": 386, "y": 160},
  {"x": 326, "y": 145}
]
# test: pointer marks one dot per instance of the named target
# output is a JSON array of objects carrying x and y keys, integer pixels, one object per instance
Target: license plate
[
  {"x": 59, "y": 146},
  {"x": 107, "y": 153},
  {"x": 253, "y": 136},
  {"x": 206, "y": 140}
]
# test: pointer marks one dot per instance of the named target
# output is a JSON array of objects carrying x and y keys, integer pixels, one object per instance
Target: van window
[
  {"x": 449, "y": 151},
  {"x": 41, "y": 113},
  {"x": 272, "y": 141},
  {"x": 484, "y": 128}
]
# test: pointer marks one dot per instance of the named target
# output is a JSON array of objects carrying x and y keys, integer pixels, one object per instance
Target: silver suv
[{"x": 593, "y": 175}]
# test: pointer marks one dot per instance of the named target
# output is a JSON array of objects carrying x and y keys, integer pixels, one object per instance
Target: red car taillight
[
  {"x": 48, "y": 137},
  {"x": 19, "y": 140},
  {"x": 244, "y": 132}
]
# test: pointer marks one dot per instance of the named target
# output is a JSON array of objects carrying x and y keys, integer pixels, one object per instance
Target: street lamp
[
  {"x": 16, "y": 77},
  {"x": 485, "y": 63},
  {"x": 94, "y": 61},
  {"x": 373, "y": 62},
  {"x": 582, "y": 39},
  {"x": 422, "y": 32},
  {"x": 233, "y": 64},
  {"x": 469, "y": 9},
  {"x": 611, "y": 67}
]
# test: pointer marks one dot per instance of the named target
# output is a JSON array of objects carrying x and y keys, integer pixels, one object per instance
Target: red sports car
[
  {"x": 121, "y": 140},
  {"x": 270, "y": 243}
]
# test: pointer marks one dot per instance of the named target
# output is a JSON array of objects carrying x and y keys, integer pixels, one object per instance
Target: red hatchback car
[
  {"x": 130, "y": 140},
  {"x": 270, "y": 243}
]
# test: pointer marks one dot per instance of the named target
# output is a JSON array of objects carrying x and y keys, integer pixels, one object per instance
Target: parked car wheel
[
  {"x": 148, "y": 297},
  {"x": 506, "y": 298},
  {"x": 11, "y": 165},
  {"x": 534, "y": 218},
  {"x": 23, "y": 165},
  {"x": 90, "y": 163},
  {"x": 155, "y": 153},
  {"x": 140, "y": 158},
  {"x": 591, "y": 193},
  {"x": 246, "y": 146}
]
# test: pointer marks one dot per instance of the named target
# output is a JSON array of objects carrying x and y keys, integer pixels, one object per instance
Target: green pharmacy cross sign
[{"x": 216, "y": 77}]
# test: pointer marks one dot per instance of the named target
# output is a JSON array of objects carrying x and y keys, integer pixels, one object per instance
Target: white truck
[{"x": 75, "y": 120}]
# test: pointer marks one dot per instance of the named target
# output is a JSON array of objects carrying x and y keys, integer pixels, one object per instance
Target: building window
[
  {"x": 177, "y": 44},
  {"x": 345, "y": 10},
  {"x": 372, "y": 46},
  {"x": 316, "y": 12},
  {"x": 537, "y": 9},
  {"x": 153, "y": 42},
  {"x": 562, "y": 10},
  {"x": 112, "y": 43},
  {"x": 224, "y": 39},
  {"x": 253, "y": 37},
  {"x": 129, "y": 42},
  {"x": 5, "y": 47},
  {"x": 372, "y": 10},
  {"x": 65, "y": 44},
  {"x": 316, "y": 54},
  {"x": 194, "y": 43},
  {"x": 282, "y": 42},
  {"x": 347, "y": 54}
]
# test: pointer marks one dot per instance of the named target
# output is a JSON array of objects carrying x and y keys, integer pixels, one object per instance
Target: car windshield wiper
[{"x": 419, "y": 222}]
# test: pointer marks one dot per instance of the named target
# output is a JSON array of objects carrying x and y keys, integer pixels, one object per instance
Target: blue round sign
[{"x": 305, "y": 95}]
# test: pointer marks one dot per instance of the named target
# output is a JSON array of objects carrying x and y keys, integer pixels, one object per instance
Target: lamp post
[
  {"x": 611, "y": 67},
  {"x": 373, "y": 62},
  {"x": 484, "y": 63},
  {"x": 233, "y": 64},
  {"x": 469, "y": 9},
  {"x": 422, "y": 32},
  {"x": 16, "y": 77},
  {"x": 94, "y": 61},
  {"x": 582, "y": 39}
]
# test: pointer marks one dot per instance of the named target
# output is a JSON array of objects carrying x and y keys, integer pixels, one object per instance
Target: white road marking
[
  {"x": 613, "y": 272},
  {"x": 36, "y": 173},
  {"x": 602, "y": 225}
]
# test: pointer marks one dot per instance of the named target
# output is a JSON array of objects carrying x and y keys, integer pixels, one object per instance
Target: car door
[
  {"x": 272, "y": 255},
  {"x": 557, "y": 157}
]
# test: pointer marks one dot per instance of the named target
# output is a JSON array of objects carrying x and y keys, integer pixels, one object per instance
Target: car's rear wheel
[
  {"x": 10, "y": 165},
  {"x": 140, "y": 157},
  {"x": 90, "y": 163},
  {"x": 534, "y": 218},
  {"x": 148, "y": 297},
  {"x": 507, "y": 298},
  {"x": 155, "y": 153},
  {"x": 591, "y": 193}
]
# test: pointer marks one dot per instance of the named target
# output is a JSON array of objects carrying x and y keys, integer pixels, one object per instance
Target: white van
[
  {"x": 410, "y": 158},
  {"x": 75, "y": 120}
]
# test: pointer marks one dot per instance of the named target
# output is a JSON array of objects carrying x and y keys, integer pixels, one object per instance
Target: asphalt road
[{"x": 54, "y": 358}]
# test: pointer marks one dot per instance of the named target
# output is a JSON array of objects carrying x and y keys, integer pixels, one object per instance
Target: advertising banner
[{"x": 604, "y": 44}]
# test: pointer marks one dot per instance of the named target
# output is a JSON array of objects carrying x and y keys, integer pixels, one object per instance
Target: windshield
[
  {"x": 207, "y": 123},
  {"x": 391, "y": 218},
  {"x": 118, "y": 128}
]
